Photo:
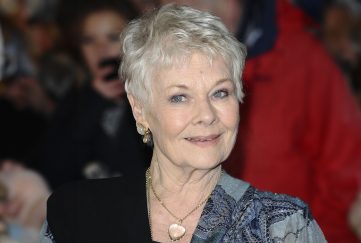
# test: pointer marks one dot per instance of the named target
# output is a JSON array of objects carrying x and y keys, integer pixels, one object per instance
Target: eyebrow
[{"x": 183, "y": 86}]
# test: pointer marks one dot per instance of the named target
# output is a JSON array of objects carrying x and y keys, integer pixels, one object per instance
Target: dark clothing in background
[
  {"x": 91, "y": 137},
  {"x": 258, "y": 29},
  {"x": 21, "y": 133}
]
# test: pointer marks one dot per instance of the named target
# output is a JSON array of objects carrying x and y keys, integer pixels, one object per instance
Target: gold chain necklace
[
  {"x": 176, "y": 231},
  {"x": 147, "y": 178}
]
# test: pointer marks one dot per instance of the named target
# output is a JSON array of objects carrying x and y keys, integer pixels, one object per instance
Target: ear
[{"x": 138, "y": 110}]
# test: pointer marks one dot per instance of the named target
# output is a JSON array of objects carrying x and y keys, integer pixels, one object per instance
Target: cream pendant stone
[{"x": 176, "y": 232}]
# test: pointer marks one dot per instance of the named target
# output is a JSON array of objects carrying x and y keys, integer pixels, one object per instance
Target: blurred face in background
[
  {"x": 338, "y": 28},
  {"x": 100, "y": 38}
]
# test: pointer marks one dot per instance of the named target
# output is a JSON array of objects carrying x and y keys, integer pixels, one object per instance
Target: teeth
[{"x": 199, "y": 140}]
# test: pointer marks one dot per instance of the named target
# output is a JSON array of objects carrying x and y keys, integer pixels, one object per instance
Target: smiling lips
[{"x": 204, "y": 140}]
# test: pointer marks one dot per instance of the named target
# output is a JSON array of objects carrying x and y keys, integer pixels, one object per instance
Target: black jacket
[{"x": 102, "y": 210}]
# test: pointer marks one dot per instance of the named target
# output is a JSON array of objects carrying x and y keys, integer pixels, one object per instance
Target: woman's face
[
  {"x": 100, "y": 38},
  {"x": 193, "y": 114}
]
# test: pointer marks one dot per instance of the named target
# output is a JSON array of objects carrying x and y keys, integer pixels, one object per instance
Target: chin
[{"x": 205, "y": 163}]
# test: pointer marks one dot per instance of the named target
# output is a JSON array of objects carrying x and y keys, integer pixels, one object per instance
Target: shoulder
[
  {"x": 244, "y": 193},
  {"x": 246, "y": 196},
  {"x": 90, "y": 193},
  {"x": 70, "y": 208},
  {"x": 269, "y": 216},
  {"x": 84, "y": 189},
  {"x": 264, "y": 216},
  {"x": 107, "y": 207},
  {"x": 275, "y": 209},
  {"x": 72, "y": 199},
  {"x": 77, "y": 199},
  {"x": 279, "y": 205}
]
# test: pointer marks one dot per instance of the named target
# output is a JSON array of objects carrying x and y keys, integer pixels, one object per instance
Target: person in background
[
  {"x": 23, "y": 205},
  {"x": 23, "y": 119},
  {"x": 92, "y": 134},
  {"x": 29, "y": 92},
  {"x": 300, "y": 124},
  {"x": 145, "y": 6},
  {"x": 183, "y": 70},
  {"x": 340, "y": 32},
  {"x": 23, "y": 192},
  {"x": 30, "y": 35}
]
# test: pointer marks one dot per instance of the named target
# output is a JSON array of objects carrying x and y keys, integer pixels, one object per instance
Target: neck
[
  {"x": 179, "y": 183},
  {"x": 176, "y": 197}
]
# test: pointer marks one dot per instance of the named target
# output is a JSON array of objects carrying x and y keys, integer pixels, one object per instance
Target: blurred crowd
[
  {"x": 64, "y": 115},
  {"x": 341, "y": 34}
]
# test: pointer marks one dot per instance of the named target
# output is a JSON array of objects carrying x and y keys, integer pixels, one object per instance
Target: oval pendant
[{"x": 176, "y": 232}]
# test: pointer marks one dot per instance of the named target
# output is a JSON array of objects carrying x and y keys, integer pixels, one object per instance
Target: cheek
[
  {"x": 114, "y": 49},
  {"x": 89, "y": 56},
  {"x": 229, "y": 115},
  {"x": 230, "y": 119},
  {"x": 170, "y": 124}
]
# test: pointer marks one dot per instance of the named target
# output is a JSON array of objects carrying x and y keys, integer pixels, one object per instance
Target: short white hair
[{"x": 171, "y": 35}]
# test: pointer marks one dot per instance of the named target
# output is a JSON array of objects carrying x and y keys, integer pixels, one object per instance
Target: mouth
[{"x": 204, "y": 140}]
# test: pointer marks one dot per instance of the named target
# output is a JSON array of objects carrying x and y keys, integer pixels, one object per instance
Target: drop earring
[
  {"x": 145, "y": 132},
  {"x": 140, "y": 128},
  {"x": 147, "y": 136}
]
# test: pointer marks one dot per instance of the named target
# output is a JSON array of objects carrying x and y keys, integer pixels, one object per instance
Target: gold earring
[
  {"x": 145, "y": 132},
  {"x": 147, "y": 137},
  {"x": 140, "y": 128}
]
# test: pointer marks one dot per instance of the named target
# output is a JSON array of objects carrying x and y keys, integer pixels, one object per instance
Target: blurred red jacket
[{"x": 300, "y": 130}]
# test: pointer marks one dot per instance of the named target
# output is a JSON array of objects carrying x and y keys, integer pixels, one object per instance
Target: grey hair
[{"x": 170, "y": 35}]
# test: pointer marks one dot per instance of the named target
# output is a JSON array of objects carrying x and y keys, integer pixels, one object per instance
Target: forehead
[
  {"x": 198, "y": 69},
  {"x": 102, "y": 19}
]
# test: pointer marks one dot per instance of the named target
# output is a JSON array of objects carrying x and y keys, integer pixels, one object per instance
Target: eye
[
  {"x": 86, "y": 40},
  {"x": 178, "y": 98},
  {"x": 221, "y": 93}
]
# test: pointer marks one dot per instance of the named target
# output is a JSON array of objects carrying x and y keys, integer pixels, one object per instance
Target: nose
[
  {"x": 102, "y": 49},
  {"x": 205, "y": 113}
]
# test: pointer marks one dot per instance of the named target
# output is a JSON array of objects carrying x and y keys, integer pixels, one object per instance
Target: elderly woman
[{"x": 182, "y": 70}]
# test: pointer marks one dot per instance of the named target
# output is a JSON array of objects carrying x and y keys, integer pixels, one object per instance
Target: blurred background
[{"x": 64, "y": 116}]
